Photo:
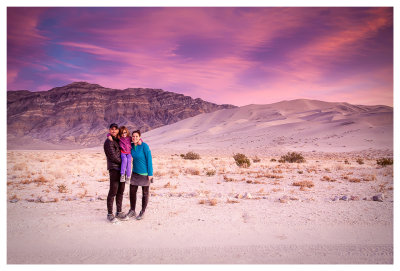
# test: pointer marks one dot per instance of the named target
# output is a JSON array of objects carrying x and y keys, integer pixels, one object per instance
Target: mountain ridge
[{"x": 79, "y": 113}]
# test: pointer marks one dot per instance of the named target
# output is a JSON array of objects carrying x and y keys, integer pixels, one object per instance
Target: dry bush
[
  {"x": 168, "y": 185},
  {"x": 360, "y": 161},
  {"x": 227, "y": 179},
  {"x": 82, "y": 195},
  {"x": 292, "y": 157},
  {"x": 277, "y": 171},
  {"x": 213, "y": 202},
  {"x": 103, "y": 180},
  {"x": 384, "y": 161},
  {"x": 159, "y": 174},
  {"x": 302, "y": 184},
  {"x": 328, "y": 179},
  {"x": 26, "y": 181},
  {"x": 210, "y": 172},
  {"x": 172, "y": 173},
  {"x": 191, "y": 156},
  {"x": 202, "y": 201},
  {"x": 256, "y": 159},
  {"x": 300, "y": 171},
  {"x": 20, "y": 167},
  {"x": 40, "y": 180},
  {"x": 276, "y": 189},
  {"x": 232, "y": 201},
  {"x": 192, "y": 171},
  {"x": 241, "y": 160},
  {"x": 14, "y": 197},
  {"x": 62, "y": 188},
  {"x": 368, "y": 178},
  {"x": 354, "y": 180}
]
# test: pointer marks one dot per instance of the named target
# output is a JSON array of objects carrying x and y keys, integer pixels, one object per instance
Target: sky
[{"x": 225, "y": 55}]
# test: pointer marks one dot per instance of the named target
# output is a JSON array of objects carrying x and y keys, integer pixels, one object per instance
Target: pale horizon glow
[{"x": 225, "y": 55}]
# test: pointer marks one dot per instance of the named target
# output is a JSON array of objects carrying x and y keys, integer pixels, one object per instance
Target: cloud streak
[{"x": 224, "y": 55}]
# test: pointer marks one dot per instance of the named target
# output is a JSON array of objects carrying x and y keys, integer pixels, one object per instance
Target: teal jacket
[{"x": 142, "y": 161}]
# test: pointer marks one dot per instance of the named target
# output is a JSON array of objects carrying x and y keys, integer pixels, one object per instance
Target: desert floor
[{"x": 202, "y": 211}]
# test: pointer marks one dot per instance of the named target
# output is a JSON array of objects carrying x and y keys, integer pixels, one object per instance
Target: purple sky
[{"x": 223, "y": 55}]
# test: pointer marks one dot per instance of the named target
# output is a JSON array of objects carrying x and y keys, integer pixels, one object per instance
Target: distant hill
[{"x": 79, "y": 114}]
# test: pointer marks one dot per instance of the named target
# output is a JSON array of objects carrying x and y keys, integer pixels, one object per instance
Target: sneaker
[
  {"x": 122, "y": 179},
  {"x": 121, "y": 216},
  {"x": 111, "y": 218},
  {"x": 140, "y": 216},
  {"x": 131, "y": 213},
  {"x": 128, "y": 179}
]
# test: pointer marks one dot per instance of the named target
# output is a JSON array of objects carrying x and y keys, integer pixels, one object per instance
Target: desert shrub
[
  {"x": 308, "y": 184},
  {"x": 360, "y": 161},
  {"x": 256, "y": 159},
  {"x": 62, "y": 188},
  {"x": 273, "y": 160},
  {"x": 192, "y": 171},
  {"x": 292, "y": 157},
  {"x": 241, "y": 160},
  {"x": 384, "y": 161},
  {"x": 213, "y": 202},
  {"x": 191, "y": 156},
  {"x": 210, "y": 172},
  {"x": 40, "y": 180}
]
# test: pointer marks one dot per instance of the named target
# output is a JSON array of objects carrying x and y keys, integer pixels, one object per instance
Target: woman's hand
[
  {"x": 110, "y": 138},
  {"x": 150, "y": 178}
]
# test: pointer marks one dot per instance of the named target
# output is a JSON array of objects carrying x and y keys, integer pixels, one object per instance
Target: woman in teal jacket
[{"x": 142, "y": 174}]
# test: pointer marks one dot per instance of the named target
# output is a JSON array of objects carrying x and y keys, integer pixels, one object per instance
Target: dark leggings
[
  {"x": 116, "y": 190},
  {"x": 132, "y": 196}
]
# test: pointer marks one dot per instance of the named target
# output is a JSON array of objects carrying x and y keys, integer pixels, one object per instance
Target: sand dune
[{"x": 304, "y": 125}]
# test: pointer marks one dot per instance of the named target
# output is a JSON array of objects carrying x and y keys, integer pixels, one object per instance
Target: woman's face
[
  {"x": 124, "y": 133},
  {"x": 135, "y": 138}
]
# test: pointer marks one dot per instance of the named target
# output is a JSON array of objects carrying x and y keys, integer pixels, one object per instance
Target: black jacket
[{"x": 113, "y": 154}]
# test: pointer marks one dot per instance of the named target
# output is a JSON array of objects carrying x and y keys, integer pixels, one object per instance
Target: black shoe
[
  {"x": 131, "y": 214},
  {"x": 112, "y": 218},
  {"x": 140, "y": 216},
  {"x": 122, "y": 216}
]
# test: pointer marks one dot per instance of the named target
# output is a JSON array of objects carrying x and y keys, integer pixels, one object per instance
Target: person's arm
[
  {"x": 149, "y": 161},
  {"x": 109, "y": 137},
  {"x": 111, "y": 153}
]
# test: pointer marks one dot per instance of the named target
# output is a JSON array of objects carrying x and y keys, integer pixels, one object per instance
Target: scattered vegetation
[
  {"x": 302, "y": 184},
  {"x": 328, "y": 179},
  {"x": 232, "y": 201},
  {"x": 384, "y": 161},
  {"x": 292, "y": 157},
  {"x": 168, "y": 185},
  {"x": 192, "y": 171},
  {"x": 241, "y": 160},
  {"x": 360, "y": 161},
  {"x": 273, "y": 160},
  {"x": 210, "y": 172},
  {"x": 62, "y": 188},
  {"x": 256, "y": 159},
  {"x": 191, "y": 156}
]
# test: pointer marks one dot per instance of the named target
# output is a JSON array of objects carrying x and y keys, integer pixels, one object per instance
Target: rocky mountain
[{"x": 80, "y": 113}]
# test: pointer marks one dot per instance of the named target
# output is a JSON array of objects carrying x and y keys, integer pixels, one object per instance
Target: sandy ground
[{"x": 202, "y": 211}]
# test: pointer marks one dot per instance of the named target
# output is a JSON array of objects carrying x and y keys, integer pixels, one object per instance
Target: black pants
[
  {"x": 116, "y": 190},
  {"x": 132, "y": 196}
]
